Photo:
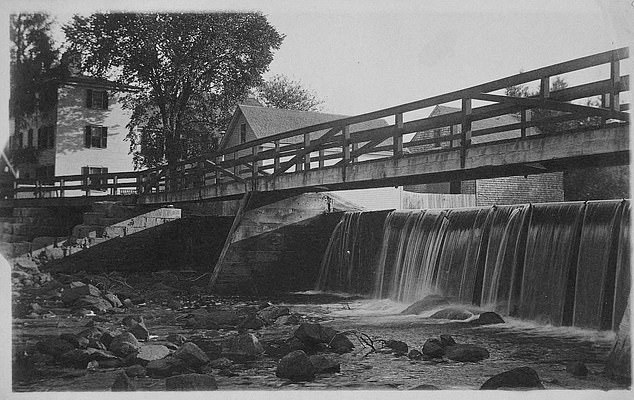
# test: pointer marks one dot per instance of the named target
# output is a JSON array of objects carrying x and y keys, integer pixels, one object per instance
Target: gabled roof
[
  {"x": 84, "y": 80},
  {"x": 501, "y": 120},
  {"x": 268, "y": 121}
]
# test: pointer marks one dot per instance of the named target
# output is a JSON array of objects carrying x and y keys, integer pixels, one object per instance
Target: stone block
[
  {"x": 43, "y": 241},
  {"x": 89, "y": 231},
  {"x": 165, "y": 212},
  {"x": 114, "y": 231}
]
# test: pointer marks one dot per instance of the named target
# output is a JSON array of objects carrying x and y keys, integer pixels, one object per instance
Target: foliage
[
  {"x": 282, "y": 92},
  {"x": 33, "y": 62},
  {"x": 191, "y": 68}
]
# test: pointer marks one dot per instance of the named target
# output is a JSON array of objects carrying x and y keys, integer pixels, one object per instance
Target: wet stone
[
  {"x": 433, "y": 348},
  {"x": 140, "y": 331},
  {"x": 252, "y": 322},
  {"x": 247, "y": 344},
  {"x": 135, "y": 371},
  {"x": 447, "y": 340},
  {"x": 466, "y": 353},
  {"x": 488, "y": 318},
  {"x": 458, "y": 314},
  {"x": 398, "y": 347},
  {"x": 165, "y": 367},
  {"x": 220, "y": 363},
  {"x": 292, "y": 319},
  {"x": 202, "y": 382},
  {"x": 414, "y": 355},
  {"x": 522, "y": 377},
  {"x": 94, "y": 303},
  {"x": 176, "y": 338},
  {"x": 151, "y": 352},
  {"x": 325, "y": 364},
  {"x": 295, "y": 366},
  {"x": 77, "y": 290},
  {"x": 191, "y": 355},
  {"x": 425, "y": 304},
  {"x": 124, "y": 344},
  {"x": 271, "y": 313},
  {"x": 113, "y": 299},
  {"x": 211, "y": 349}
]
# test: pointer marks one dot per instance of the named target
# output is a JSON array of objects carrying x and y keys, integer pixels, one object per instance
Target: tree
[
  {"x": 32, "y": 63},
  {"x": 192, "y": 69},
  {"x": 282, "y": 92}
]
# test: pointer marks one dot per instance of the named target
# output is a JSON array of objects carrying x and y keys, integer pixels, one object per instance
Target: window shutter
[
  {"x": 89, "y": 98},
  {"x": 104, "y": 99},
  {"x": 104, "y": 137},
  {"x": 87, "y": 136}
]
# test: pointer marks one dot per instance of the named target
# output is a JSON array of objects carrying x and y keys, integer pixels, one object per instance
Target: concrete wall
[
  {"x": 73, "y": 116},
  {"x": 276, "y": 244}
]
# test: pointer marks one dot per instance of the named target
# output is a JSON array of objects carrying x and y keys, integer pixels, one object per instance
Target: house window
[
  {"x": 243, "y": 133},
  {"x": 96, "y": 136},
  {"x": 93, "y": 182},
  {"x": 97, "y": 99},
  {"x": 30, "y": 138},
  {"x": 45, "y": 137}
]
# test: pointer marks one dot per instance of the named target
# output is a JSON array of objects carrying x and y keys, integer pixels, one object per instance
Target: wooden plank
[
  {"x": 585, "y": 111},
  {"x": 346, "y": 144},
  {"x": 466, "y": 130},
  {"x": 276, "y": 160},
  {"x": 307, "y": 155},
  {"x": 544, "y": 88},
  {"x": 225, "y": 171},
  {"x": 398, "y": 136},
  {"x": 615, "y": 76},
  {"x": 254, "y": 166}
]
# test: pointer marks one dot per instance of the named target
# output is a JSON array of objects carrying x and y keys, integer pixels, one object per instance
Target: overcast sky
[{"x": 363, "y": 56}]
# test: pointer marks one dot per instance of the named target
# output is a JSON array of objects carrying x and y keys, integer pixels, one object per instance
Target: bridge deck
[{"x": 564, "y": 133}]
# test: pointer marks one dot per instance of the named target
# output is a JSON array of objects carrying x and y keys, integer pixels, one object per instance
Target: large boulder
[
  {"x": 466, "y": 353},
  {"x": 191, "y": 355},
  {"x": 398, "y": 347},
  {"x": 78, "y": 289},
  {"x": 452, "y": 314},
  {"x": 165, "y": 367},
  {"x": 310, "y": 334},
  {"x": 201, "y": 382},
  {"x": 425, "y": 304},
  {"x": 488, "y": 318},
  {"x": 447, "y": 340},
  {"x": 246, "y": 343},
  {"x": 433, "y": 348},
  {"x": 95, "y": 303},
  {"x": 296, "y": 366},
  {"x": 151, "y": 352},
  {"x": 271, "y": 313},
  {"x": 522, "y": 377},
  {"x": 124, "y": 344}
]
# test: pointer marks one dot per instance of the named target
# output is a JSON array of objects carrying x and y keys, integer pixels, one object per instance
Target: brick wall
[{"x": 541, "y": 188}]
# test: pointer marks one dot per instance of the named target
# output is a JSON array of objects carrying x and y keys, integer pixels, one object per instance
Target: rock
[
  {"x": 55, "y": 347},
  {"x": 414, "y": 355},
  {"x": 176, "y": 338},
  {"x": 124, "y": 344},
  {"x": 309, "y": 333},
  {"x": 127, "y": 303},
  {"x": 114, "y": 363},
  {"x": 151, "y": 352},
  {"x": 433, "y": 348},
  {"x": 191, "y": 355},
  {"x": 425, "y": 387},
  {"x": 201, "y": 320},
  {"x": 488, "y": 318},
  {"x": 224, "y": 319},
  {"x": 94, "y": 303},
  {"x": 522, "y": 377},
  {"x": 341, "y": 344},
  {"x": 292, "y": 319},
  {"x": 295, "y": 366},
  {"x": 466, "y": 352},
  {"x": 140, "y": 331},
  {"x": 135, "y": 371},
  {"x": 452, "y": 314},
  {"x": 106, "y": 338},
  {"x": 247, "y": 344},
  {"x": 399, "y": 348},
  {"x": 427, "y": 303},
  {"x": 79, "y": 289},
  {"x": 210, "y": 348},
  {"x": 324, "y": 364},
  {"x": 79, "y": 358},
  {"x": 165, "y": 367},
  {"x": 271, "y": 313},
  {"x": 220, "y": 363},
  {"x": 113, "y": 299},
  {"x": 93, "y": 333},
  {"x": 577, "y": 368},
  {"x": 252, "y": 322},
  {"x": 447, "y": 340},
  {"x": 38, "y": 309},
  {"x": 79, "y": 342},
  {"x": 200, "y": 382},
  {"x": 96, "y": 344},
  {"x": 122, "y": 383}
]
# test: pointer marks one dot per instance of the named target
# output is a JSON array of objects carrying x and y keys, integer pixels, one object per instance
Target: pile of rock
[
  {"x": 26, "y": 273},
  {"x": 79, "y": 295}
]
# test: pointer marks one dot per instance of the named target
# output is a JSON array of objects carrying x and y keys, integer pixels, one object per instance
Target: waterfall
[{"x": 559, "y": 263}]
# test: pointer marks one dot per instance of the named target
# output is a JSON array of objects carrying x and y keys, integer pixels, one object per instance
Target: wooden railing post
[
  {"x": 201, "y": 173},
  {"x": 346, "y": 144},
  {"x": 451, "y": 136},
  {"x": 398, "y": 136},
  {"x": 466, "y": 130},
  {"x": 523, "y": 123},
  {"x": 276, "y": 157},
  {"x": 87, "y": 185},
  {"x": 254, "y": 169},
  {"x": 307, "y": 155},
  {"x": 322, "y": 154},
  {"x": 61, "y": 187},
  {"x": 115, "y": 184},
  {"x": 615, "y": 78},
  {"x": 38, "y": 189},
  {"x": 216, "y": 171},
  {"x": 544, "y": 88},
  {"x": 139, "y": 183}
]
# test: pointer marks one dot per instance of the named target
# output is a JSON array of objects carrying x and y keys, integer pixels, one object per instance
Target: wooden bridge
[{"x": 554, "y": 131}]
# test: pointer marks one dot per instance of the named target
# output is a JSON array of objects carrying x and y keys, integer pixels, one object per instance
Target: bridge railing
[{"x": 362, "y": 138}]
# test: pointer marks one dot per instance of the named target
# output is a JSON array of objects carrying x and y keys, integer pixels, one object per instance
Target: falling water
[{"x": 562, "y": 264}]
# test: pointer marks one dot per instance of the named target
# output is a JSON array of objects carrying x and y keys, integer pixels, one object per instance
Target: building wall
[
  {"x": 73, "y": 116},
  {"x": 541, "y": 188}
]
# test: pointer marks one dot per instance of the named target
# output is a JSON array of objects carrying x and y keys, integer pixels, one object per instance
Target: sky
[{"x": 361, "y": 56}]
